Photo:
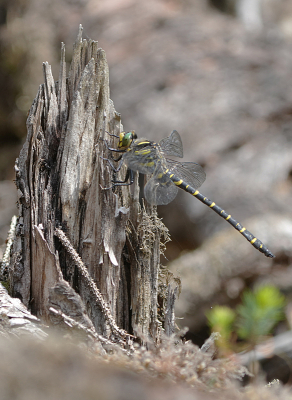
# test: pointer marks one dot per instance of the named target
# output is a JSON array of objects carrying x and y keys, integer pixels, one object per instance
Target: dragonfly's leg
[
  {"x": 129, "y": 177},
  {"x": 112, "y": 165},
  {"x": 111, "y": 148},
  {"x": 111, "y": 134},
  {"x": 118, "y": 159}
]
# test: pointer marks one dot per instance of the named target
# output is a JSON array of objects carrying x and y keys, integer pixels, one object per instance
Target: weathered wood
[
  {"x": 60, "y": 175},
  {"x": 16, "y": 320}
]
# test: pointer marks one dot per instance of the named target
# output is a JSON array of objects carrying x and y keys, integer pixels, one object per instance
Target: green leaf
[
  {"x": 221, "y": 319},
  {"x": 259, "y": 312}
]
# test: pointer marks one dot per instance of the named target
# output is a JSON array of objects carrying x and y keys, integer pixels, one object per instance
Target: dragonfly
[{"x": 167, "y": 175}]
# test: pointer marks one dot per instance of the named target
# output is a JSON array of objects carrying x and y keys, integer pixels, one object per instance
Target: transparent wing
[
  {"x": 160, "y": 191},
  {"x": 191, "y": 173},
  {"x": 172, "y": 145}
]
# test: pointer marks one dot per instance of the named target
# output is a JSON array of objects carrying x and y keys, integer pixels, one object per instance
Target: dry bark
[{"x": 60, "y": 176}]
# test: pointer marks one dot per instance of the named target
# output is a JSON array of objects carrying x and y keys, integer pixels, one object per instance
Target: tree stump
[{"x": 66, "y": 216}]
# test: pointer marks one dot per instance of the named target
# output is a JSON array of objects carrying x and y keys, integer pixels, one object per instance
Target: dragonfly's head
[{"x": 126, "y": 139}]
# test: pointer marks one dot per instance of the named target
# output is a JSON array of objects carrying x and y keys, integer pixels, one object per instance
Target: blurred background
[{"x": 217, "y": 71}]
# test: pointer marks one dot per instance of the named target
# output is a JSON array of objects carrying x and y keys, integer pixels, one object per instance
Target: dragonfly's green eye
[{"x": 126, "y": 139}]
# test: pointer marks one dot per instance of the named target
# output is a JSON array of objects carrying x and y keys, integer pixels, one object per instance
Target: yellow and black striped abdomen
[{"x": 249, "y": 236}]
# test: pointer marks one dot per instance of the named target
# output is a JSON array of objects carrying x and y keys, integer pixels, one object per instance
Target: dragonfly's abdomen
[{"x": 249, "y": 236}]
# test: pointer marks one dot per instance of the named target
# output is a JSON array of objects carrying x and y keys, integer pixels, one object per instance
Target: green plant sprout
[
  {"x": 251, "y": 321},
  {"x": 259, "y": 312},
  {"x": 221, "y": 319}
]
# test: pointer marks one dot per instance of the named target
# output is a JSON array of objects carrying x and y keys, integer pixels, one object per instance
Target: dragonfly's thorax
[
  {"x": 143, "y": 156},
  {"x": 142, "y": 143}
]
